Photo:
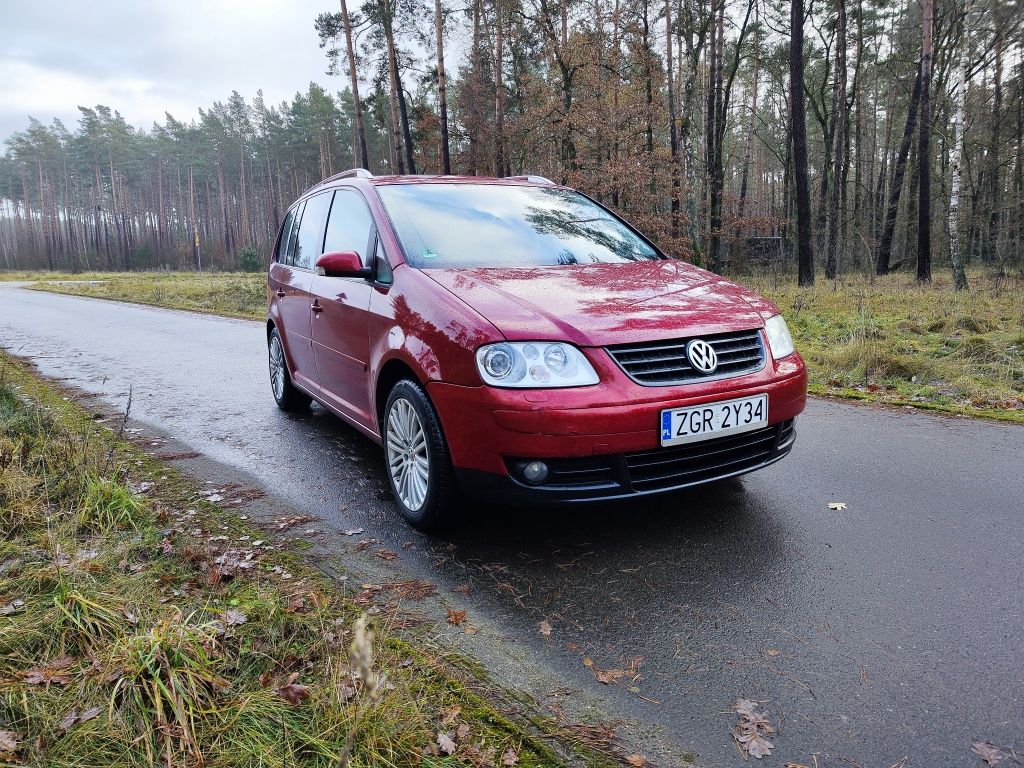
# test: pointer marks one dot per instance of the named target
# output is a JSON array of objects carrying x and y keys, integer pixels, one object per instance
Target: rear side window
[
  {"x": 287, "y": 230},
  {"x": 310, "y": 241},
  {"x": 349, "y": 225}
]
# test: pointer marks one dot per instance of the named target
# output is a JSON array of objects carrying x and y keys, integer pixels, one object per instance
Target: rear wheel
[
  {"x": 288, "y": 397},
  {"x": 418, "y": 464}
]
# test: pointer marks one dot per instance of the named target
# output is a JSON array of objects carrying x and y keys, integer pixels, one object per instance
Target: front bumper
[
  {"x": 619, "y": 476},
  {"x": 486, "y": 427}
]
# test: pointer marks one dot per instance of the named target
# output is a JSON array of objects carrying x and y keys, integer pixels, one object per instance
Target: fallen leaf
[
  {"x": 451, "y": 715},
  {"x": 234, "y": 618},
  {"x": 292, "y": 691},
  {"x": 462, "y": 589},
  {"x": 752, "y": 730},
  {"x": 284, "y": 523},
  {"x": 462, "y": 731},
  {"x": 987, "y": 751},
  {"x": 638, "y": 761},
  {"x": 351, "y": 531},
  {"x": 609, "y": 676},
  {"x": 89, "y": 714},
  {"x": 68, "y": 720},
  {"x": 511, "y": 757},
  {"x": 838, "y": 506},
  {"x": 456, "y": 617},
  {"x": 773, "y": 652},
  {"x": 386, "y": 554},
  {"x": 53, "y": 672},
  {"x": 445, "y": 743},
  {"x": 471, "y": 630},
  {"x": 12, "y": 607},
  {"x": 8, "y": 741},
  {"x": 545, "y": 628}
]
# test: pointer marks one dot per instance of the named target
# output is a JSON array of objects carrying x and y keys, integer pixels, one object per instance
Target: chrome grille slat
[{"x": 666, "y": 364}]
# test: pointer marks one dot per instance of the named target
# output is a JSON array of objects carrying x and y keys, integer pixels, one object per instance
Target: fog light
[{"x": 535, "y": 471}]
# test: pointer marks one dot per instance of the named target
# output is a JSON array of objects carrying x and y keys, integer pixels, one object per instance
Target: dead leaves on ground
[
  {"x": 9, "y": 742},
  {"x": 992, "y": 754},
  {"x": 457, "y": 742},
  {"x": 413, "y": 589},
  {"x": 545, "y": 628},
  {"x": 293, "y": 692},
  {"x": 290, "y": 521},
  {"x": 12, "y": 607},
  {"x": 837, "y": 506},
  {"x": 74, "y": 717},
  {"x": 456, "y": 617},
  {"x": 54, "y": 672},
  {"x": 615, "y": 675},
  {"x": 752, "y": 730}
]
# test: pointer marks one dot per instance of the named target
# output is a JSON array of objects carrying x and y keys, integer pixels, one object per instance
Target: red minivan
[{"x": 514, "y": 341}]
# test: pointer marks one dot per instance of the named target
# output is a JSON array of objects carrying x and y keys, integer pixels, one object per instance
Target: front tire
[
  {"x": 287, "y": 396},
  {"x": 419, "y": 467}
]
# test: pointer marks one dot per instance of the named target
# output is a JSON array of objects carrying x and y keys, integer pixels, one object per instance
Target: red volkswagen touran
[{"x": 514, "y": 341}]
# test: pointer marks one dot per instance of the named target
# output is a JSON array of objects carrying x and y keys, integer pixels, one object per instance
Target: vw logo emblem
[{"x": 702, "y": 356}]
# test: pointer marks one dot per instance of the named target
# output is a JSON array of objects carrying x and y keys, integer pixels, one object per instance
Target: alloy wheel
[
  {"x": 277, "y": 367},
  {"x": 408, "y": 458}
]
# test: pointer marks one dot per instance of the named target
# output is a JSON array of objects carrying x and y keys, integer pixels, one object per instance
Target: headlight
[
  {"x": 779, "y": 338},
  {"x": 535, "y": 364}
]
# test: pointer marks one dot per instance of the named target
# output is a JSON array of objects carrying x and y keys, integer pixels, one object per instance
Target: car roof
[
  {"x": 537, "y": 181},
  {"x": 360, "y": 176}
]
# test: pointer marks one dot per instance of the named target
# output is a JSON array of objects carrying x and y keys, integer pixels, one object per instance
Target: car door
[
  {"x": 294, "y": 278},
  {"x": 341, "y": 345},
  {"x": 290, "y": 287}
]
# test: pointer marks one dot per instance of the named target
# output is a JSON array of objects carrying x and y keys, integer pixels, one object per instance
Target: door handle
[
  {"x": 315, "y": 306},
  {"x": 280, "y": 293}
]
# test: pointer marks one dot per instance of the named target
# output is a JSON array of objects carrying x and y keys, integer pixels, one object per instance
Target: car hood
[{"x": 603, "y": 304}]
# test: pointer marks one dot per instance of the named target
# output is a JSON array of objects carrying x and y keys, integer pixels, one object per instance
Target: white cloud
[{"x": 145, "y": 59}]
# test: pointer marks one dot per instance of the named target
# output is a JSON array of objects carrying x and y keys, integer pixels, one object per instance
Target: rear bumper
[{"x": 624, "y": 475}]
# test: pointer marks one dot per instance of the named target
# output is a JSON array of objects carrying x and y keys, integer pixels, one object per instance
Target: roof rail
[
  {"x": 531, "y": 179},
  {"x": 351, "y": 173}
]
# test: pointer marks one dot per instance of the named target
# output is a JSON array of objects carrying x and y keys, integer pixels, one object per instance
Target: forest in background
[{"x": 904, "y": 150}]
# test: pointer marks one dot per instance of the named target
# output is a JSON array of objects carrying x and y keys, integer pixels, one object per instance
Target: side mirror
[{"x": 342, "y": 264}]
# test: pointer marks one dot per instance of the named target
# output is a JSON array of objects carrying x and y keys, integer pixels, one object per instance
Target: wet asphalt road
[{"x": 891, "y": 629}]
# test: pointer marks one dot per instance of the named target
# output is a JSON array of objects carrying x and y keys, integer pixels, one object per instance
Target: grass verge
[
  {"x": 885, "y": 340},
  {"x": 142, "y": 625}
]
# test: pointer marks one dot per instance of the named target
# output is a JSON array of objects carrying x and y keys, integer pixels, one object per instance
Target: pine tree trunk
[
  {"x": 884, "y": 256},
  {"x": 442, "y": 91},
  {"x": 804, "y": 245},
  {"x": 499, "y": 89},
  {"x": 924, "y": 205},
  {"x": 673, "y": 128},
  {"x": 364, "y": 156},
  {"x": 838, "y": 144}
]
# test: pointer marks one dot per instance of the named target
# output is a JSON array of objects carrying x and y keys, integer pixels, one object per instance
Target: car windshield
[{"x": 464, "y": 226}]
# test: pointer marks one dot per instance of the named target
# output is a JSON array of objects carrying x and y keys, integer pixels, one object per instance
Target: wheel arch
[{"x": 391, "y": 372}]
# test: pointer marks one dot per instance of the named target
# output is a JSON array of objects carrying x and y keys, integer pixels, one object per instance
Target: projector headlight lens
[{"x": 535, "y": 364}]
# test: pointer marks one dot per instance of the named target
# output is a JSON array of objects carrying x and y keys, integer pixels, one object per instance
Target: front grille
[
  {"x": 698, "y": 462},
  {"x": 664, "y": 468},
  {"x": 664, "y": 363}
]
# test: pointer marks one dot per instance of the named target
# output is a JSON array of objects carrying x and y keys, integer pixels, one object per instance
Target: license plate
[{"x": 703, "y": 422}]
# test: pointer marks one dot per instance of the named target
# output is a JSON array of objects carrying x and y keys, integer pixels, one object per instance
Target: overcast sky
[{"x": 148, "y": 57}]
